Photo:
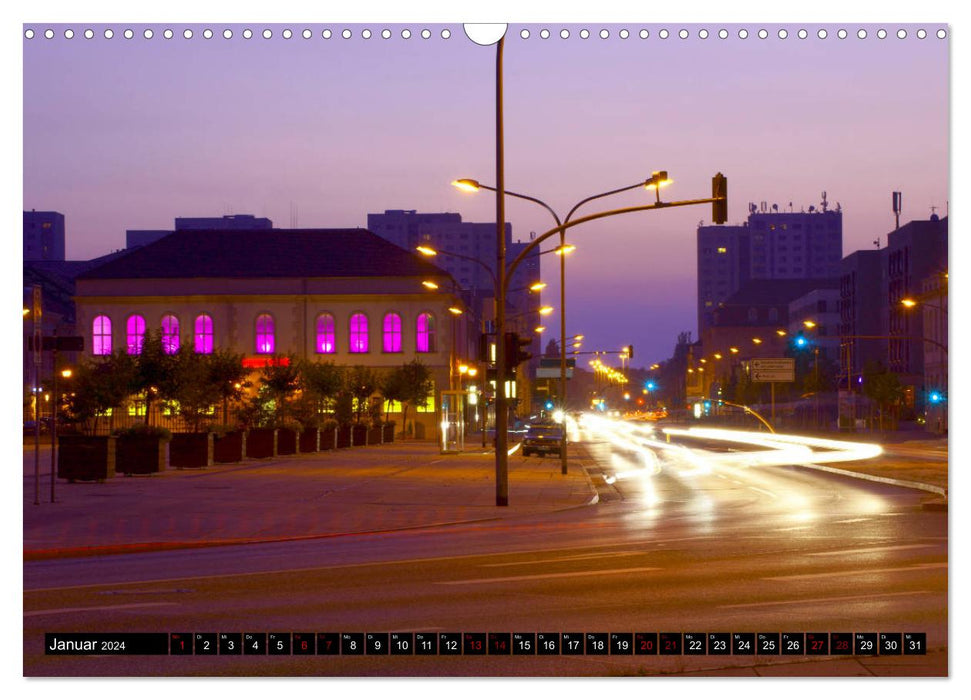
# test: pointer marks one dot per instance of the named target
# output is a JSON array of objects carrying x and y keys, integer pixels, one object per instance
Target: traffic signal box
[
  {"x": 719, "y": 189},
  {"x": 514, "y": 350}
]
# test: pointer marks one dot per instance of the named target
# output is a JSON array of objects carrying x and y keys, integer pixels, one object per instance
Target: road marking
[
  {"x": 868, "y": 596},
  {"x": 576, "y": 557},
  {"x": 791, "y": 529},
  {"x": 853, "y": 520},
  {"x": 538, "y": 577},
  {"x": 868, "y": 550},
  {"x": 59, "y": 611},
  {"x": 856, "y": 573}
]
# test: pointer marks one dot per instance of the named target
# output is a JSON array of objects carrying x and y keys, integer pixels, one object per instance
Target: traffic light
[
  {"x": 719, "y": 209},
  {"x": 514, "y": 351},
  {"x": 485, "y": 350},
  {"x": 800, "y": 341},
  {"x": 630, "y": 352}
]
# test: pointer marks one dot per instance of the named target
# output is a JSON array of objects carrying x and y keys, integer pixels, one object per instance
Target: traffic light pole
[{"x": 502, "y": 412}]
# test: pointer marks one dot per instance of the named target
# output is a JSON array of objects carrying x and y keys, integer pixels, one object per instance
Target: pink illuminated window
[
  {"x": 203, "y": 334},
  {"x": 265, "y": 338},
  {"x": 326, "y": 337},
  {"x": 101, "y": 336},
  {"x": 425, "y": 333},
  {"x": 359, "y": 334},
  {"x": 170, "y": 334},
  {"x": 392, "y": 333},
  {"x": 135, "y": 334}
]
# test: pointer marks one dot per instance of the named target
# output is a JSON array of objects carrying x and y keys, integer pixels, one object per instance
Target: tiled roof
[{"x": 275, "y": 253}]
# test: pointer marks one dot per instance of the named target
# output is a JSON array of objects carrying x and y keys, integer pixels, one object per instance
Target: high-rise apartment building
[{"x": 43, "y": 235}]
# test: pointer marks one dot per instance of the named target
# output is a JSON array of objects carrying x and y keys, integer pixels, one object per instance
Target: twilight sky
[{"x": 121, "y": 134}]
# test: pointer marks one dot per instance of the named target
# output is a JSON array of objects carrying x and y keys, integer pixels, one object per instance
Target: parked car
[{"x": 542, "y": 439}]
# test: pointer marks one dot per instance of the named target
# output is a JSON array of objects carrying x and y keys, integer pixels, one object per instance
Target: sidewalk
[{"x": 371, "y": 489}]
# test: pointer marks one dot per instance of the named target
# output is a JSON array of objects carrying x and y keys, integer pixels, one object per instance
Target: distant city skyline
[{"x": 130, "y": 134}]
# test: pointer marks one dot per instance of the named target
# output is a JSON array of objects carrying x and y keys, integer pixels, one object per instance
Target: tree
[
  {"x": 100, "y": 386},
  {"x": 416, "y": 386},
  {"x": 392, "y": 388},
  {"x": 279, "y": 381},
  {"x": 227, "y": 377},
  {"x": 882, "y": 386},
  {"x": 552, "y": 349},
  {"x": 361, "y": 383},
  {"x": 153, "y": 366},
  {"x": 191, "y": 385},
  {"x": 320, "y": 383}
]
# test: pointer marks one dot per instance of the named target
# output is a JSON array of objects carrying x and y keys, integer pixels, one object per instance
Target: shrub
[{"x": 143, "y": 430}]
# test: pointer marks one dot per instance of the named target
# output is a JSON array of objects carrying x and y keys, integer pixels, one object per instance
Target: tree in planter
[
  {"x": 100, "y": 386},
  {"x": 417, "y": 386},
  {"x": 153, "y": 368},
  {"x": 227, "y": 376},
  {"x": 320, "y": 383},
  {"x": 280, "y": 381},
  {"x": 190, "y": 384},
  {"x": 344, "y": 408},
  {"x": 882, "y": 386},
  {"x": 361, "y": 383},
  {"x": 392, "y": 389}
]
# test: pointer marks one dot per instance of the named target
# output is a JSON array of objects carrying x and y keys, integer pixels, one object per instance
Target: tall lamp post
[{"x": 656, "y": 181}]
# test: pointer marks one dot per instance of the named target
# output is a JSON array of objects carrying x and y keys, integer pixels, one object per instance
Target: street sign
[{"x": 773, "y": 369}]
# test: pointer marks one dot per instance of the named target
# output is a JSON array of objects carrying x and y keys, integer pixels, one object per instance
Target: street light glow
[
  {"x": 537, "y": 286},
  {"x": 658, "y": 179},
  {"x": 467, "y": 185},
  {"x": 909, "y": 303},
  {"x": 455, "y": 310},
  {"x": 809, "y": 323},
  {"x": 539, "y": 329},
  {"x": 426, "y": 250},
  {"x": 545, "y": 310},
  {"x": 565, "y": 249},
  {"x": 428, "y": 284}
]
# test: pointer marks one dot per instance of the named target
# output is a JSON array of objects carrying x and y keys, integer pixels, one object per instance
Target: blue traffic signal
[
  {"x": 800, "y": 341},
  {"x": 936, "y": 397},
  {"x": 650, "y": 386},
  {"x": 548, "y": 405}
]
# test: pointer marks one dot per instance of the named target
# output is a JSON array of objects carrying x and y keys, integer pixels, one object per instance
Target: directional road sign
[{"x": 773, "y": 369}]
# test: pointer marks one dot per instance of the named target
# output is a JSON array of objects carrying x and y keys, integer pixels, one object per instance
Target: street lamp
[{"x": 657, "y": 180}]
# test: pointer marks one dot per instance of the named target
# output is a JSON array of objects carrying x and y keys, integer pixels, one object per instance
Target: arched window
[
  {"x": 135, "y": 334},
  {"x": 265, "y": 337},
  {"x": 753, "y": 315},
  {"x": 392, "y": 332},
  {"x": 425, "y": 333},
  {"x": 170, "y": 334},
  {"x": 359, "y": 333},
  {"x": 101, "y": 336},
  {"x": 203, "y": 334},
  {"x": 326, "y": 334}
]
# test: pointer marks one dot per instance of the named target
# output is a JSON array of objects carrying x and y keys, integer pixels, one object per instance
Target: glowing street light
[
  {"x": 427, "y": 251},
  {"x": 455, "y": 310},
  {"x": 537, "y": 286},
  {"x": 428, "y": 284},
  {"x": 564, "y": 249}
]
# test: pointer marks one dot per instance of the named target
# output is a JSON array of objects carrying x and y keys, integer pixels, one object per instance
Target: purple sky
[{"x": 122, "y": 134}]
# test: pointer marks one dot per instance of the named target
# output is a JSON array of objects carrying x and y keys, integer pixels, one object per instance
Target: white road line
[
  {"x": 853, "y": 520},
  {"x": 763, "y": 491},
  {"x": 538, "y": 577},
  {"x": 857, "y": 573},
  {"x": 577, "y": 557},
  {"x": 869, "y": 550},
  {"x": 868, "y": 596},
  {"x": 60, "y": 611}
]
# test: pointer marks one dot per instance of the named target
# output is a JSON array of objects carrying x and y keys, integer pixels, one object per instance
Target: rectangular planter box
[
  {"x": 388, "y": 432},
  {"x": 328, "y": 440},
  {"x": 286, "y": 441},
  {"x": 374, "y": 436},
  {"x": 309, "y": 441},
  {"x": 85, "y": 457},
  {"x": 191, "y": 450},
  {"x": 261, "y": 443},
  {"x": 344, "y": 437},
  {"x": 229, "y": 448},
  {"x": 359, "y": 435},
  {"x": 140, "y": 455}
]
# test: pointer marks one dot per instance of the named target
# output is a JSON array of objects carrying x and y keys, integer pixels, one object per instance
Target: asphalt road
[{"x": 675, "y": 549}]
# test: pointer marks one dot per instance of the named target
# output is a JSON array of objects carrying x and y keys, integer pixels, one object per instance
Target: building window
[
  {"x": 359, "y": 333},
  {"x": 265, "y": 335},
  {"x": 773, "y": 314},
  {"x": 135, "y": 334},
  {"x": 392, "y": 333},
  {"x": 101, "y": 336},
  {"x": 425, "y": 333},
  {"x": 170, "y": 334},
  {"x": 203, "y": 333},
  {"x": 753, "y": 315},
  {"x": 326, "y": 334}
]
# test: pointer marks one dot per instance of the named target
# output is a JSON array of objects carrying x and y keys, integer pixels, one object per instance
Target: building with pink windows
[{"x": 341, "y": 295}]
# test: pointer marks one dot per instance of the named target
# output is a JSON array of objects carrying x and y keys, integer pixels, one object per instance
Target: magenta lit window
[
  {"x": 425, "y": 333},
  {"x": 359, "y": 334},
  {"x": 265, "y": 338},
  {"x": 203, "y": 334},
  {"x": 170, "y": 334},
  {"x": 135, "y": 334},
  {"x": 326, "y": 336},
  {"x": 101, "y": 336},
  {"x": 392, "y": 333}
]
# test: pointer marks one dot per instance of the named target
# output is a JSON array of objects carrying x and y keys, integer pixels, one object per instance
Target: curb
[{"x": 938, "y": 490}]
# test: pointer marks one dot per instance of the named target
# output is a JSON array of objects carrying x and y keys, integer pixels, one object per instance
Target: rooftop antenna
[
  {"x": 897, "y": 206},
  {"x": 824, "y": 201},
  {"x": 877, "y": 243}
]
